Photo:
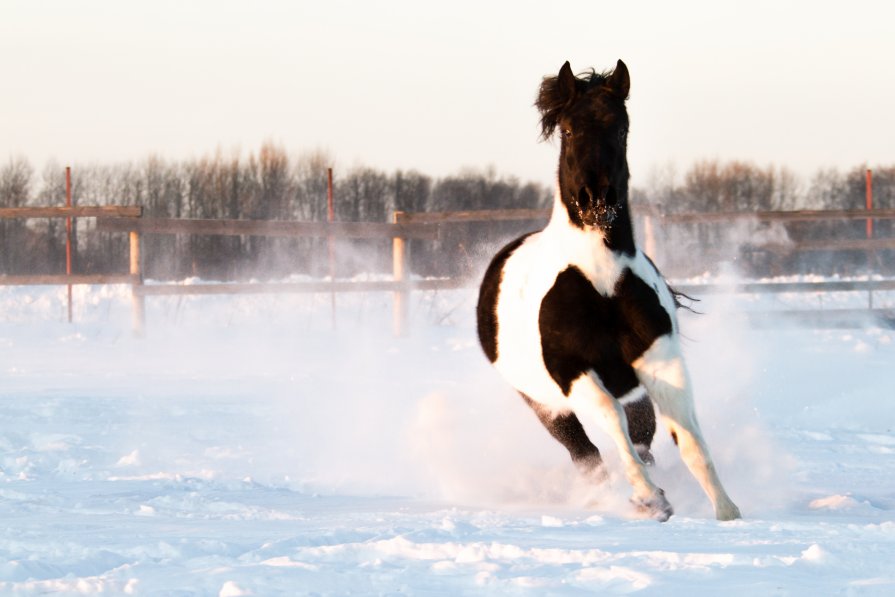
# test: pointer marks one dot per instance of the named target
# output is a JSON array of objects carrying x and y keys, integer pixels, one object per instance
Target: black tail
[{"x": 678, "y": 295}]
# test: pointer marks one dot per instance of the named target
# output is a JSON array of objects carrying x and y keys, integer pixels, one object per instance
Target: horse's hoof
[
  {"x": 656, "y": 506},
  {"x": 727, "y": 512},
  {"x": 593, "y": 469},
  {"x": 646, "y": 456},
  {"x": 599, "y": 474}
]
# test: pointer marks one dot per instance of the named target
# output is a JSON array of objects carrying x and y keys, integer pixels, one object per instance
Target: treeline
[
  {"x": 267, "y": 185},
  {"x": 713, "y": 185},
  {"x": 270, "y": 184}
]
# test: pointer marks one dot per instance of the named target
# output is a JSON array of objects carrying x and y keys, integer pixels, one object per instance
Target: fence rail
[
  {"x": 488, "y": 215},
  {"x": 84, "y": 211},
  {"x": 269, "y": 228},
  {"x": 775, "y": 216},
  {"x": 64, "y": 279},
  {"x": 776, "y": 287},
  {"x": 845, "y": 244},
  {"x": 482, "y": 215},
  {"x": 301, "y": 287}
]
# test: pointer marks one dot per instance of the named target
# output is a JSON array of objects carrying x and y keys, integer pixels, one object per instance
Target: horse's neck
[
  {"x": 585, "y": 249},
  {"x": 559, "y": 215}
]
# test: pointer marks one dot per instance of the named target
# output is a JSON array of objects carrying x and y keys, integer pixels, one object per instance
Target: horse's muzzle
[{"x": 597, "y": 209}]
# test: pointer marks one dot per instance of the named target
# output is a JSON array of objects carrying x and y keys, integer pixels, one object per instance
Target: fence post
[
  {"x": 869, "y": 192},
  {"x": 68, "y": 227},
  {"x": 401, "y": 272},
  {"x": 138, "y": 301},
  {"x": 871, "y": 253},
  {"x": 649, "y": 240},
  {"x": 330, "y": 247}
]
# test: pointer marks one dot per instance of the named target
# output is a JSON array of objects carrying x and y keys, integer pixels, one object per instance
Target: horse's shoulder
[{"x": 489, "y": 294}]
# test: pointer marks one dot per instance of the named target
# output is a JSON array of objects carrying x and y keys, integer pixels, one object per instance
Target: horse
[{"x": 579, "y": 320}]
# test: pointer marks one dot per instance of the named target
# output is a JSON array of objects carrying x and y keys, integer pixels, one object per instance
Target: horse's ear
[
  {"x": 620, "y": 81},
  {"x": 567, "y": 84},
  {"x": 555, "y": 94}
]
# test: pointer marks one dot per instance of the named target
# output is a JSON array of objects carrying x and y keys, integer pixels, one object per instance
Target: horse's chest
[{"x": 582, "y": 330}]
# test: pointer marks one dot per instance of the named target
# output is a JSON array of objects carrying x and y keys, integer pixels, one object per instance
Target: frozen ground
[{"x": 245, "y": 448}]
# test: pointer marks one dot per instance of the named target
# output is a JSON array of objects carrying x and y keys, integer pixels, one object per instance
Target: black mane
[{"x": 551, "y": 99}]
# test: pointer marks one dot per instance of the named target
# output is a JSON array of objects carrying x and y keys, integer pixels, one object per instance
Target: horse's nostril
[
  {"x": 610, "y": 196},
  {"x": 585, "y": 197}
]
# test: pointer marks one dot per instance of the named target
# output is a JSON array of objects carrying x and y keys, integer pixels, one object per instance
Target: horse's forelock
[{"x": 550, "y": 103}]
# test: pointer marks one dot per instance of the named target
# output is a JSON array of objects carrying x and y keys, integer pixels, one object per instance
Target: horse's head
[{"x": 590, "y": 114}]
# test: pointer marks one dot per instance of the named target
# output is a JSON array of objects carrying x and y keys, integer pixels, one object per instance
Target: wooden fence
[
  {"x": 133, "y": 277},
  {"x": 408, "y": 226},
  {"x": 129, "y": 220},
  {"x": 869, "y": 244},
  {"x": 653, "y": 219}
]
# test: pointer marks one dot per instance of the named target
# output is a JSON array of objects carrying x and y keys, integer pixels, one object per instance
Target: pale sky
[{"x": 441, "y": 86}]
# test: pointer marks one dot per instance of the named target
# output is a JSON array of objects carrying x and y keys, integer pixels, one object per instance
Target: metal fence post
[{"x": 871, "y": 253}]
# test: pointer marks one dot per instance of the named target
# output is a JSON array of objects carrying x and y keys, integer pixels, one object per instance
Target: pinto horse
[{"x": 579, "y": 320}]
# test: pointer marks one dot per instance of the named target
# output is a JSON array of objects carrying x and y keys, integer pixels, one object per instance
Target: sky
[{"x": 441, "y": 87}]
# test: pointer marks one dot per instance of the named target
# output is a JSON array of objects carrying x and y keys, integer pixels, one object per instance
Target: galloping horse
[{"x": 579, "y": 320}]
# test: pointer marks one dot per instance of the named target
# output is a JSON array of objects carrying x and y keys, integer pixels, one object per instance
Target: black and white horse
[{"x": 579, "y": 320}]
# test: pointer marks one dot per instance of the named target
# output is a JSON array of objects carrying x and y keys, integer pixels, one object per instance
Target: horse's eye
[{"x": 566, "y": 132}]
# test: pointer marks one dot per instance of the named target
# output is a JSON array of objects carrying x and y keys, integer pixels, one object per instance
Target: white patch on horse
[{"x": 634, "y": 396}]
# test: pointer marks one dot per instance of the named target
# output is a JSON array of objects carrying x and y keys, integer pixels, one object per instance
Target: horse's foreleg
[
  {"x": 567, "y": 430},
  {"x": 663, "y": 372},
  {"x": 588, "y": 395}
]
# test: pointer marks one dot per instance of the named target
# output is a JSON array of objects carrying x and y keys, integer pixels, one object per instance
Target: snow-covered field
[{"x": 245, "y": 448}]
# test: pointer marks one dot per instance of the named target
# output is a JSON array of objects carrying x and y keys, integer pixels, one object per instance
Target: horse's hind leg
[
  {"x": 641, "y": 425},
  {"x": 567, "y": 430}
]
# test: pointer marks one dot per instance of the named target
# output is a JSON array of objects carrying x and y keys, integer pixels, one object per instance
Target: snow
[{"x": 243, "y": 447}]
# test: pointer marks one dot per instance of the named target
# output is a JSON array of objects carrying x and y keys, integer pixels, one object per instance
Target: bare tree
[
  {"x": 825, "y": 189},
  {"x": 309, "y": 204},
  {"x": 15, "y": 182},
  {"x": 363, "y": 196},
  {"x": 411, "y": 191},
  {"x": 702, "y": 187},
  {"x": 884, "y": 198},
  {"x": 309, "y": 191},
  {"x": 15, "y": 189},
  {"x": 787, "y": 192}
]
